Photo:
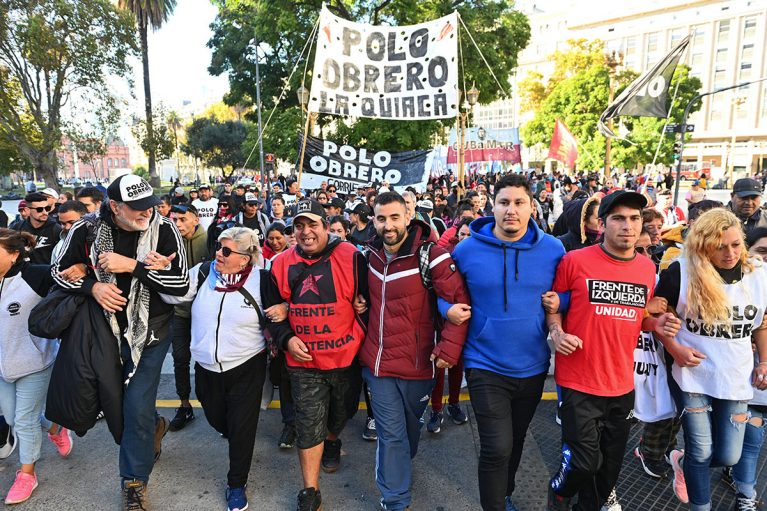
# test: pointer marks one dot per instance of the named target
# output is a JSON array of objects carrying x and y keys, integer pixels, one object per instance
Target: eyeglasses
[
  {"x": 648, "y": 250},
  {"x": 47, "y": 209},
  {"x": 223, "y": 206},
  {"x": 226, "y": 251},
  {"x": 331, "y": 190}
]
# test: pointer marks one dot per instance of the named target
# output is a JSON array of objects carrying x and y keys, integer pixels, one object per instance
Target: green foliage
[
  {"x": 54, "y": 52},
  {"x": 579, "y": 95},
  {"x": 161, "y": 142},
  {"x": 141, "y": 171},
  {"x": 284, "y": 26},
  {"x": 218, "y": 144}
]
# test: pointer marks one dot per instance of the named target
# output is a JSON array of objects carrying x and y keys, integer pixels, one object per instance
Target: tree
[
  {"x": 580, "y": 97},
  {"x": 283, "y": 27},
  {"x": 54, "y": 54},
  {"x": 154, "y": 137},
  {"x": 174, "y": 124},
  {"x": 218, "y": 144},
  {"x": 149, "y": 13}
]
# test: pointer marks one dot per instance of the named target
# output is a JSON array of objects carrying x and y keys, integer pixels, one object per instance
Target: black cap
[
  {"x": 134, "y": 192},
  {"x": 567, "y": 180},
  {"x": 362, "y": 210},
  {"x": 335, "y": 202},
  {"x": 311, "y": 209},
  {"x": 621, "y": 198},
  {"x": 747, "y": 187}
]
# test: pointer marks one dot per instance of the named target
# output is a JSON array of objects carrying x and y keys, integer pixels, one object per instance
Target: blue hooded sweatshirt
[{"x": 507, "y": 330}]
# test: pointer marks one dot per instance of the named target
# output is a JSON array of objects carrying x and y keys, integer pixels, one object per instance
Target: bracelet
[{"x": 761, "y": 364}]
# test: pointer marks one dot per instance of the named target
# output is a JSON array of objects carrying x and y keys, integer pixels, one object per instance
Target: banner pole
[{"x": 303, "y": 148}]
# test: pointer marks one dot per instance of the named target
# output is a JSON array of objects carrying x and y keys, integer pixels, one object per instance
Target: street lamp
[
  {"x": 472, "y": 95},
  {"x": 612, "y": 60},
  {"x": 303, "y": 99},
  {"x": 736, "y": 102}
]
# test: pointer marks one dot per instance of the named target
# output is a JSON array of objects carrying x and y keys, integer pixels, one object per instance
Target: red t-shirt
[{"x": 607, "y": 302}]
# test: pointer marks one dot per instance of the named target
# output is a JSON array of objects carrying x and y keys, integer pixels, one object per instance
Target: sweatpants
[
  {"x": 232, "y": 402},
  {"x": 595, "y": 430},
  {"x": 398, "y": 407}
]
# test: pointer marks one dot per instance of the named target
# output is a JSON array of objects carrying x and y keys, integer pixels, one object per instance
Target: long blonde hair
[{"x": 706, "y": 296}]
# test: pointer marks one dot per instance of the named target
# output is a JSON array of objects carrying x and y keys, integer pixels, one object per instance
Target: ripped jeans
[
  {"x": 713, "y": 437},
  {"x": 744, "y": 473}
]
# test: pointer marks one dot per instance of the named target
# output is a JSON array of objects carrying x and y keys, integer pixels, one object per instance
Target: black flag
[{"x": 647, "y": 96}]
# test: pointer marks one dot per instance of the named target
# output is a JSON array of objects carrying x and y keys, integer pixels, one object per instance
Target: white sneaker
[
  {"x": 8, "y": 443},
  {"x": 612, "y": 503}
]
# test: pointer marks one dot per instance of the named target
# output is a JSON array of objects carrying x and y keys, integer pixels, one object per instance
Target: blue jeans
[
  {"x": 713, "y": 437},
  {"x": 22, "y": 403},
  {"x": 139, "y": 410},
  {"x": 398, "y": 406},
  {"x": 744, "y": 473}
]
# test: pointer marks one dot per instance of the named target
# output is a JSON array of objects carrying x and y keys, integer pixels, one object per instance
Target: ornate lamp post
[
  {"x": 303, "y": 100},
  {"x": 472, "y": 95}
]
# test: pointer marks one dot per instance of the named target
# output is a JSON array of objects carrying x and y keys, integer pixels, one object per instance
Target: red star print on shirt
[{"x": 310, "y": 284}]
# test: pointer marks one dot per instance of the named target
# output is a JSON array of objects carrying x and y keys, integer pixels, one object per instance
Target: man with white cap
[
  {"x": 132, "y": 254},
  {"x": 206, "y": 205},
  {"x": 251, "y": 217}
]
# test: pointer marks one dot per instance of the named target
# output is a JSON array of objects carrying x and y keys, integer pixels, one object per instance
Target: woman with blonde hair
[
  {"x": 720, "y": 294},
  {"x": 229, "y": 347}
]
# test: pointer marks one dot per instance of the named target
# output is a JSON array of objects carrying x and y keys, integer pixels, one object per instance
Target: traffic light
[{"x": 677, "y": 149}]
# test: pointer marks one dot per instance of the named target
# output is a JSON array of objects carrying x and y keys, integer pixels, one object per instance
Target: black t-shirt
[
  {"x": 670, "y": 280},
  {"x": 253, "y": 223}
]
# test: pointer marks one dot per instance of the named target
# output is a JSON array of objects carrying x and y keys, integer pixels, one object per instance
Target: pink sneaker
[
  {"x": 63, "y": 441},
  {"x": 22, "y": 488},
  {"x": 679, "y": 484}
]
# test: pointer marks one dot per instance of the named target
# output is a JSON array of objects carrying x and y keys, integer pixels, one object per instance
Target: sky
[{"x": 179, "y": 59}]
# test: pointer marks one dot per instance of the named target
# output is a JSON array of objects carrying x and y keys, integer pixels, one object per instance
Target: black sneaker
[
  {"x": 7, "y": 441},
  {"x": 557, "y": 502},
  {"x": 331, "y": 456},
  {"x": 184, "y": 415},
  {"x": 654, "y": 469},
  {"x": 455, "y": 413},
  {"x": 161, "y": 427},
  {"x": 369, "y": 433},
  {"x": 743, "y": 503},
  {"x": 309, "y": 499},
  {"x": 288, "y": 437},
  {"x": 134, "y": 495},
  {"x": 435, "y": 422},
  {"x": 728, "y": 480}
]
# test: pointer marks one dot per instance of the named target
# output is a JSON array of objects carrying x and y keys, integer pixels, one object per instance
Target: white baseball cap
[{"x": 133, "y": 191}]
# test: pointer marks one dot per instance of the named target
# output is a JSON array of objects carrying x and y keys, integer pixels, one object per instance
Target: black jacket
[
  {"x": 87, "y": 373},
  {"x": 47, "y": 236},
  {"x": 574, "y": 214}
]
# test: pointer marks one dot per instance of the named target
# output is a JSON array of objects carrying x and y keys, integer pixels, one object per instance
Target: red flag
[{"x": 564, "y": 147}]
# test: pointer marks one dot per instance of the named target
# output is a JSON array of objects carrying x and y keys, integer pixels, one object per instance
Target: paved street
[{"x": 191, "y": 474}]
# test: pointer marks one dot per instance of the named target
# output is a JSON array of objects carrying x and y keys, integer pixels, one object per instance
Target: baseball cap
[
  {"x": 567, "y": 180},
  {"x": 362, "y": 210},
  {"x": 133, "y": 191},
  {"x": 696, "y": 182},
  {"x": 250, "y": 198},
  {"x": 204, "y": 187},
  {"x": 50, "y": 191},
  {"x": 744, "y": 187},
  {"x": 621, "y": 198},
  {"x": 335, "y": 202},
  {"x": 424, "y": 204},
  {"x": 22, "y": 204},
  {"x": 179, "y": 191},
  {"x": 184, "y": 207},
  {"x": 310, "y": 209}
]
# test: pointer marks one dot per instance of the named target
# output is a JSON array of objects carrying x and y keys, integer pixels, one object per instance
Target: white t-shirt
[
  {"x": 726, "y": 371},
  {"x": 206, "y": 211}
]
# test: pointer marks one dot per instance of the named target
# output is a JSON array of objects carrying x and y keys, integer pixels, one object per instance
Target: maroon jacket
[{"x": 401, "y": 338}]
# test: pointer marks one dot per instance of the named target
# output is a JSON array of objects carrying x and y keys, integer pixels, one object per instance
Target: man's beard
[{"x": 130, "y": 225}]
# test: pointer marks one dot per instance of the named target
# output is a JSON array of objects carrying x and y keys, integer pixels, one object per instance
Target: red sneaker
[
  {"x": 22, "y": 488},
  {"x": 679, "y": 484},
  {"x": 63, "y": 441}
]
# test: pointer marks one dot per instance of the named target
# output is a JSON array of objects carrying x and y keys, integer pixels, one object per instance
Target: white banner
[{"x": 407, "y": 73}]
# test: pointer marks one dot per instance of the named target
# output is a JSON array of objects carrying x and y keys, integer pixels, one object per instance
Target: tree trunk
[
  {"x": 47, "y": 169},
  {"x": 154, "y": 179}
]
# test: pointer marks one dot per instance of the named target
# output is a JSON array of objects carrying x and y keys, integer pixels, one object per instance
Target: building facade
[
  {"x": 74, "y": 164},
  {"x": 729, "y": 40}
]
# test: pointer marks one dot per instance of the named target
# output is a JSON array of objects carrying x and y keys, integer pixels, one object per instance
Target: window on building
[
  {"x": 764, "y": 101},
  {"x": 724, "y": 32},
  {"x": 122, "y": 163},
  {"x": 631, "y": 46},
  {"x": 696, "y": 61},
  {"x": 745, "y": 72},
  {"x": 720, "y": 79},
  {"x": 747, "y": 54},
  {"x": 749, "y": 28},
  {"x": 721, "y": 58},
  {"x": 109, "y": 162},
  {"x": 716, "y": 109},
  {"x": 698, "y": 37},
  {"x": 676, "y": 35},
  {"x": 652, "y": 42}
]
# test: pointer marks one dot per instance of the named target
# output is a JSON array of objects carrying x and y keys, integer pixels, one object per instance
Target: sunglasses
[
  {"x": 47, "y": 209},
  {"x": 226, "y": 251},
  {"x": 331, "y": 190},
  {"x": 648, "y": 250}
]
